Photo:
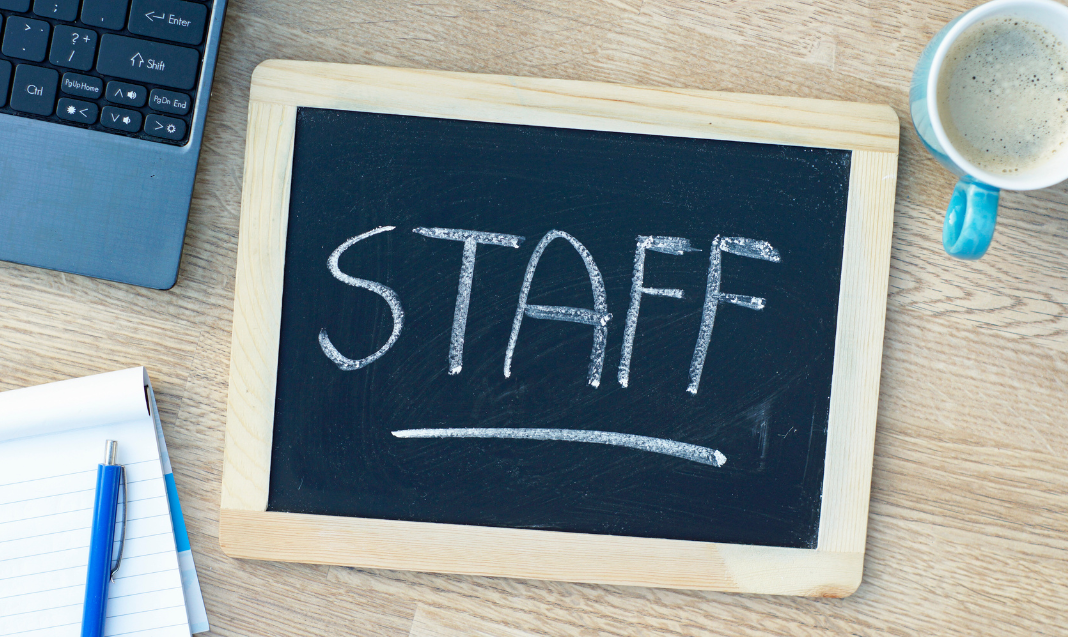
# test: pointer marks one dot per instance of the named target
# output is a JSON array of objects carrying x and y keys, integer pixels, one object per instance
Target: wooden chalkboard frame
[{"x": 832, "y": 569}]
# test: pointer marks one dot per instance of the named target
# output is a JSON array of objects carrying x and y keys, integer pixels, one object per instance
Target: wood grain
[
  {"x": 430, "y": 622},
  {"x": 968, "y": 531},
  {"x": 501, "y": 552},
  {"x": 855, "y": 383},
  {"x": 258, "y": 306},
  {"x": 833, "y": 569},
  {"x": 673, "y": 112}
]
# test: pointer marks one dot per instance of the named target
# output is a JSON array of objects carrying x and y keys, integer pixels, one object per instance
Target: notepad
[{"x": 51, "y": 441}]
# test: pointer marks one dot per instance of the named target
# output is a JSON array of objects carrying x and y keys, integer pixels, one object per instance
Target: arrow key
[
  {"x": 121, "y": 119},
  {"x": 127, "y": 94},
  {"x": 76, "y": 111},
  {"x": 165, "y": 127}
]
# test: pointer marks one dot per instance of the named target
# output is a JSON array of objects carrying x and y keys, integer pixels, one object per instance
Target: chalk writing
[
  {"x": 686, "y": 451},
  {"x": 598, "y": 317},
  {"x": 343, "y": 362},
  {"x": 666, "y": 245},
  {"x": 471, "y": 239},
  {"x": 740, "y": 246}
]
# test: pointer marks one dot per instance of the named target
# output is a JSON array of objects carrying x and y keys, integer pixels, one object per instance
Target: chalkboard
[
  {"x": 582, "y": 201},
  {"x": 522, "y": 326}
]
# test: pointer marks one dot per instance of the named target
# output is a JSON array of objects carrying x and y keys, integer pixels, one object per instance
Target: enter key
[{"x": 172, "y": 20}]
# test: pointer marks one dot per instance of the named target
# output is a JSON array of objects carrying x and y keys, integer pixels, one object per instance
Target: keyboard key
[
  {"x": 135, "y": 61},
  {"x": 5, "y": 80},
  {"x": 108, "y": 14},
  {"x": 144, "y": 61},
  {"x": 65, "y": 10},
  {"x": 34, "y": 89},
  {"x": 128, "y": 94},
  {"x": 76, "y": 111},
  {"x": 73, "y": 47},
  {"x": 172, "y": 20},
  {"x": 168, "y": 101},
  {"x": 165, "y": 127},
  {"x": 82, "y": 85},
  {"x": 25, "y": 39},
  {"x": 121, "y": 119}
]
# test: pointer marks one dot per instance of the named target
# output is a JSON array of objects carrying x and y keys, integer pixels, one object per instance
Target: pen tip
[{"x": 111, "y": 452}]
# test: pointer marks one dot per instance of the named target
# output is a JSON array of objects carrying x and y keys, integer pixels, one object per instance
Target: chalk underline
[{"x": 686, "y": 451}]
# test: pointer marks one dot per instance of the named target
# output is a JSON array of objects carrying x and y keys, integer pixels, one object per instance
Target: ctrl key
[{"x": 34, "y": 89}]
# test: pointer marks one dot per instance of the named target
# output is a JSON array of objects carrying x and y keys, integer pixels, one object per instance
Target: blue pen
[{"x": 109, "y": 475}]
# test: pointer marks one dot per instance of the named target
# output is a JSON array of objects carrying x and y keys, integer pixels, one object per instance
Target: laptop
[{"x": 102, "y": 106}]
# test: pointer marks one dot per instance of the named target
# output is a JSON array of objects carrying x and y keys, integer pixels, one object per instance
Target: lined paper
[{"x": 47, "y": 485}]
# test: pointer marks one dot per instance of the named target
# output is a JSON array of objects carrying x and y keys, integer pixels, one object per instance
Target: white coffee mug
[{"x": 972, "y": 212}]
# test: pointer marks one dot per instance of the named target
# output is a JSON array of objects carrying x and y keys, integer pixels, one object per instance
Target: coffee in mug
[
  {"x": 989, "y": 100},
  {"x": 1003, "y": 94}
]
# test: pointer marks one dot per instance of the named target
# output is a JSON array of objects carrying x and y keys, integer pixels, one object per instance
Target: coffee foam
[{"x": 1003, "y": 95}]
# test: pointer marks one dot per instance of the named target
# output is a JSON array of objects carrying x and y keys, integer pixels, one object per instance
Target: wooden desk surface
[{"x": 968, "y": 532}]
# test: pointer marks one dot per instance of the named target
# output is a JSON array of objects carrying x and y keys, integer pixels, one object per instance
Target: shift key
[{"x": 149, "y": 62}]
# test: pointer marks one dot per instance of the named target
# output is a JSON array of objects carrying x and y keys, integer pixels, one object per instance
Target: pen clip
[{"x": 125, "y": 506}]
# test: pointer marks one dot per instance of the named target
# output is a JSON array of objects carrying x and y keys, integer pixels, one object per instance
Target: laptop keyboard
[{"x": 125, "y": 67}]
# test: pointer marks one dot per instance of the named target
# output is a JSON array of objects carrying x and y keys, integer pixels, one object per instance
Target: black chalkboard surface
[
  {"x": 562, "y": 330},
  {"x": 715, "y": 264}
]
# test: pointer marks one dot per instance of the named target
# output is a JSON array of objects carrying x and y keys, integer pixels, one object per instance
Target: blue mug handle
[{"x": 970, "y": 219}]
